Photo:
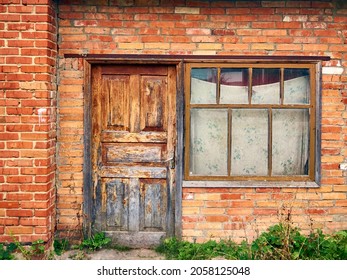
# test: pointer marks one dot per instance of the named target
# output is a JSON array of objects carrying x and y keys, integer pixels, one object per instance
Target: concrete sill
[{"x": 248, "y": 184}]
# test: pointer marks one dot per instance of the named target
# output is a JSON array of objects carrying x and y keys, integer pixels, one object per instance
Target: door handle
[{"x": 171, "y": 161}]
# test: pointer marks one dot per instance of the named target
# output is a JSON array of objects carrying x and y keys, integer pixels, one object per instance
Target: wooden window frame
[{"x": 314, "y": 119}]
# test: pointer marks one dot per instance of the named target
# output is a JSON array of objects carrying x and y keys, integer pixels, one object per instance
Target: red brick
[
  {"x": 265, "y": 212},
  {"x": 9, "y": 17},
  {"x": 9, "y": 204},
  {"x": 33, "y": 222},
  {"x": 35, "y": 188},
  {"x": 9, "y": 154},
  {"x": 9, "y": 136},
  {"x": 242, "y": 203},
  {"x": 19, "y": 230},
  {"x": 283, "y": 196},
  {"x": 19, "y": 196},
  {"x": 19, "y": 213},
  {"x": 19, "y": 60},
  {"x": 9, "y": 34},
  {"x": 316, "y": 211},
  {"x": 9, "y": 221},
  {"x": 240, "y": 211},
  {"x": 35, "y": 205},
  {"x": 19, "y": 179},
  {"x": 215, "y": 219},
  {"x": 19, "y": 128},
  {"x": 20, "y": 9},
  {"x": 230, "y": 196},
  {"x": 42, "y": 213},
  {"x": 234, "y": 226}
]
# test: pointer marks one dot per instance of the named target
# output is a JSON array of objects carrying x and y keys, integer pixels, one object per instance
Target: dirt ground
[{"x": 110, "y": 254}]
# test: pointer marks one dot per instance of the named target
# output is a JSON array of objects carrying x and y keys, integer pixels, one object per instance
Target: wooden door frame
[{"x": 87, "y": 139}]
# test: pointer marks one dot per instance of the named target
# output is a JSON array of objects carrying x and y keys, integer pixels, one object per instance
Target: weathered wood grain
[
  {"x": 153, "y": 205},
  {"x": 117, "y": 204},
  {"x": 133, "y": 151},
  {"x": 121, "y": 69},
  {"x": 153, "y": 103},
  {"x": 132, "y": 172},
  {"x": 125, "y": 137},
  {"x": 117, "y": 91},
  {"x": 117, "y": 153}
]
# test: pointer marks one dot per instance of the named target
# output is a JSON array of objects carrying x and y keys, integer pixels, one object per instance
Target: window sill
[{"x": 248, "y": 184}]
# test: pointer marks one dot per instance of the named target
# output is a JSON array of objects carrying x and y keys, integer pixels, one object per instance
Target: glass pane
[
  {"x": 234, "y": 86},
  {"x": 249, "y": 142},
  {"x": 290, "y": 141},
  {"x": 266, "y": 86},
  {"x": 203, "y": 86},
  {"x": 296, "y": 86},
  {"x": 208, "y": 142}
]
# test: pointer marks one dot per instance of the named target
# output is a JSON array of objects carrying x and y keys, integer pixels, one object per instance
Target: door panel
[
  {"x": 125, "y": 152},
  {"x": 133, "y": 172},
  {"x": 153, "y": 103},
  {"x": 134, "y": 138},
  {"x": 117, "y": 92},
  {"x": 117, "y": 204},
  {"x": 153, "y": 195}
]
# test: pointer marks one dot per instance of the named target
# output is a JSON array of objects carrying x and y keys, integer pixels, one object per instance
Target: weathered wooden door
[{"x": 133, "y": 152}]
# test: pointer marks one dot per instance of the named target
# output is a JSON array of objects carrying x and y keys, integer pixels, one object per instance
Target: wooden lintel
[{"x": 193, "y": 58}]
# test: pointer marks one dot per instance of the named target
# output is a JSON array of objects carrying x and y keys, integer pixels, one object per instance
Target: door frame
[{"x": 87, "y": 138}]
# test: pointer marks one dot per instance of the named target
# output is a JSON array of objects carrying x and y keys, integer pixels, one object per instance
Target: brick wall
[
  {"x": 27, "y": 119},
  {"x": 27, "y": 104},
  {"x": 221, "y": 28}
]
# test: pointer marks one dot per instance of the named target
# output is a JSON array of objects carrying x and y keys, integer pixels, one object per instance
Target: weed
[
  {"x": 34, "y": 252},
  {"x": 6, "y": 251},
  {"x": 60, "y": 246},
  {"x": 97, "y": 241},
  {"x": 184, "y": 250},
  {"x": 283, "y": 242},
  {"x": 279, "y": 242}
]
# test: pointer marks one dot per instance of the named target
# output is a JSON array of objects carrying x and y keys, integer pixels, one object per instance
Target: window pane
[
  {"x": 266, "y": 86},
  {"x": 290, "y": 141},
  {"x": 234, "y": 86},
  {"x": 249, "y": 141},
  {"x": 203, "y": 86},
  {"x": 296, "y": 86},
  {"x": 208, "y": 142}
]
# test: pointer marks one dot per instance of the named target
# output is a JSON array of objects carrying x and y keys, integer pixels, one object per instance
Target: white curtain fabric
[
  {"x": 290, "y": 141},
  {"x": 249, "y": 130},
  {"x": 203, "y": 92},
  {"x": 209, "y": 142},
  {"x": 249, "y": 142}
]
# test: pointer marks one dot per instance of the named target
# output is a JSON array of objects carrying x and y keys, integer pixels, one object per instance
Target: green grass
[
  {"x": 279, "y": 242},
  {"x": 95, "y": 242},
  {"x": 6, "y": 251}
]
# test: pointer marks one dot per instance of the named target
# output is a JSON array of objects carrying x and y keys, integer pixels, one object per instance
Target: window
[{"x": 250, "y": 122}]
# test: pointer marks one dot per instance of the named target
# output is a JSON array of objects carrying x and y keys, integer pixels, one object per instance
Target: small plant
[
  {"x": 60, "y": 246},
  {"x": 34, "y": 252},
  {"x": 279, "y": 242},
  {"x": 97, "y": 241},
  {"x": 325, "y": 247},
  {"x": 184, "y": 250},
  {"x": 283, "y": 242},
  {"x": 6, "y": 251}
]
